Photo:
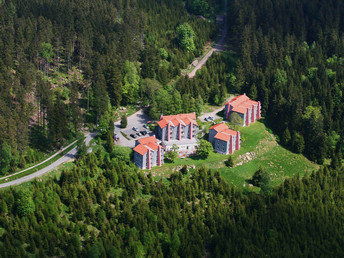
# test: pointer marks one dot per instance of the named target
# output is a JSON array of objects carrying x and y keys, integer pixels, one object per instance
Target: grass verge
[
  {"x": 125, "y": 135},
  {"x": 35, "y": 169}
]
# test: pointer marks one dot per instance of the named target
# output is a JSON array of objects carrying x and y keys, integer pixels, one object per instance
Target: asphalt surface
[
  {"x": 219, "y": 46},
  {"x": 67, "y": 157},
  {"x": 138, "y": 120}
]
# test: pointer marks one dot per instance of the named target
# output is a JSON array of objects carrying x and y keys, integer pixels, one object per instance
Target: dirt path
[{"x": 219, "y": 46}]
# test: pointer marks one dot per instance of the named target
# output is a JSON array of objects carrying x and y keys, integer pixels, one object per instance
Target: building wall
[
  {"x": 185, "y": 131},
  {"x": 158, "y": 132},
  {"x": 225, "y": 112},
  {"x": 140, "y": 160},
  {"x": 255, "y": 110},
  {"x": 173, "y": 132},
  {"x": 221, "y": 146},
  {"x": 234, "y": 143},
  {"x": 161, "y": 133},
  {"x": 212, "y": 133}
]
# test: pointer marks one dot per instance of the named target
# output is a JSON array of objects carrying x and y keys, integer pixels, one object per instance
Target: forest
[
  {"x": 291, "y": 54},
  {"x": 77, "y": 61},
  {"x": 104, "y": 206}
]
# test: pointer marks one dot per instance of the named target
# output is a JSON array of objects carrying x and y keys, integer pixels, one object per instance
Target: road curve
[
  {"x": 67, "y": 157},
  {"x": 219, "y": 46}
]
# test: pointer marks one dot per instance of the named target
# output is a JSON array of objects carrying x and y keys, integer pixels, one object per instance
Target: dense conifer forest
[
  {"x": 291, "y": 58},
  {"x": 66, "y": 64},
  {"x": 105, "y": 207}
]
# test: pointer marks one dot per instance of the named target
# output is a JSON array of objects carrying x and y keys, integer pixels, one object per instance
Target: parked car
[
  {"x": 135, "y": 129},
  {"x": 146, "y": 126},
  {"x": 143, "y": 132},
  {"x": 138, "y": 134},
  {"x": 211, "y": 118},
  {"x": 133, "y": 135},
  {"x": 206, "y": 119}
]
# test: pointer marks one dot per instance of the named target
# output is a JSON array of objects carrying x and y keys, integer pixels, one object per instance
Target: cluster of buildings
[{"x": 181, "y": 131}]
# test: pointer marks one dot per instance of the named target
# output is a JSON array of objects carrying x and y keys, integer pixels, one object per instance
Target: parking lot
[{"x": 137, "y": 121}]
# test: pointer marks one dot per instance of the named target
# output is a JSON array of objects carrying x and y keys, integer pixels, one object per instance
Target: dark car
[
  {"x": 143, "y": 132},
  {"x": 138, "y": 134},
  {"x": 133, "y": 135}
]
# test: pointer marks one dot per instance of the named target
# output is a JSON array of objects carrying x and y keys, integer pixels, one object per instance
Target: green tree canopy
[
  {"x": 47, "y": 52},
  {"x": 185, "y": 36},
  {"x": 204, "y": 149},
  {"x": 24, "y": 202}
]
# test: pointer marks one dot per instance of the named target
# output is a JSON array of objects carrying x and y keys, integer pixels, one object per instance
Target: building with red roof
[
  {"x": 245, "y": 108},
  {"x": 180, "y": 130},
  {"x": 224, "y": 140},
  {"x": 148, "y": 153}
]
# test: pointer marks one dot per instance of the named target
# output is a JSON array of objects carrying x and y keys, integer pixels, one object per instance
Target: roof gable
[
  {"x": 145, "y": 144},
  {"x": 219, "y": 127},
  {"x": 241, "y": 103},
  {"x": 175, "y": 120}
]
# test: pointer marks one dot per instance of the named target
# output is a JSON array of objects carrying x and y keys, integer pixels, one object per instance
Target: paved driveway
[{"x": 138, "y": 120}]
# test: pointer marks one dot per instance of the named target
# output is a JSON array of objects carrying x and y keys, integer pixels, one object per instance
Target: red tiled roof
[
  {"x": 240, "y": 110},
  {"x": 141, "y": 149},
  {"x": 230, "y": 132},
  {"x": 148, "y": 139},
  {"x": 162, "y": 123},
  {"x": 145, "y": 144},
  {"x": 152, "y": 145},
  {"x": 184, "y": 119},
  {"x": 241, "y": 103},
  {"x": 219, "y": 127},
  {"x": 223, "y": 136}
]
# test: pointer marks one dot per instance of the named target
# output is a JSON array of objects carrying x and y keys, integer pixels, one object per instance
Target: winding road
[
  {"x": 219, "y": 46},
  {"x": 67, "y": 157}
]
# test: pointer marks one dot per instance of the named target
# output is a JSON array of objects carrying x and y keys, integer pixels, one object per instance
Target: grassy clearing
[{"x": 259, "y": 148}]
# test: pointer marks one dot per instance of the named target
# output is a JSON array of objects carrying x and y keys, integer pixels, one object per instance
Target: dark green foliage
[
  {"x": 24, "y": 203},
  {"x": 186, "y": 216},
  {"x": 286, "y": 137},
  {"x": 81, "y": 149},
  {"x": 124, "y": 121},
  {"x": 5, "y": 158},
  {"x": 185, "y": 36},
  {"x": 199, "y": 7},
  {"x": 257, "y": 177},
  {"x": 229, "y": 162},
  {"x": 293, "y": 66},
  {"x": 298, "y": 143}
]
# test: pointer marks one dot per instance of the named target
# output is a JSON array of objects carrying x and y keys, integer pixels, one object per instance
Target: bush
[
  {"x": 229, "y": 162},
  {"x": 124, "y": 121},
  {"x": 204, "y": 149}
]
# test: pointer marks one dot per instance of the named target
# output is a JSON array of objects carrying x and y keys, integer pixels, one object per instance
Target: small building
[
  {"x": 148, "y": 153},
  {"x": 248, "y": 110},
  {"x": 224, "y": 140},
  {"x": 180, "y": 130}
]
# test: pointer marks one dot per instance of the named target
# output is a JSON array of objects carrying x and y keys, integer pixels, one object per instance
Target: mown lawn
[{"x": 259, "y": 148}]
